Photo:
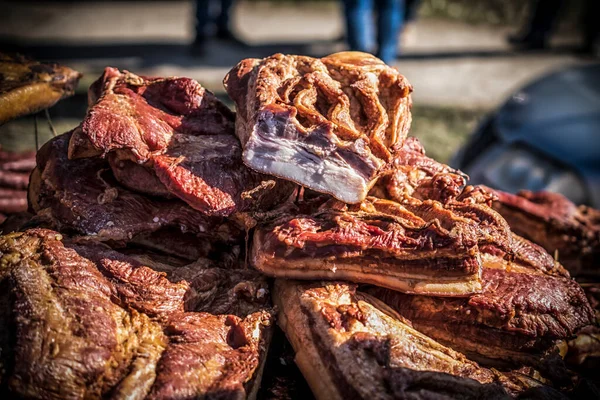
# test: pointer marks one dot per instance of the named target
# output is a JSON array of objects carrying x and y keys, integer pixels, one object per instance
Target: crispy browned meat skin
[
  {"x": 82, "y": 311},
  {"x": 171, "y": 137},
  {"x": 382, "y": 243},
  {"x": 160, "y": 286},
  {"x": 72, "y": 341},
  {"x": 556, "y": 224},
  {"x": 330, "y": 124},
  {"x": 410, "y": 182},
  {"x": 81, "y": 196},
  {"x": 135, "y": 284},
  {"x": 477, "y": 195},
  {"x": 212, "y": 355},
  {"x": 28, "y": 86},
  {"x": 349, "y": 345},
  {"x": 413, "y": 175},
  {"x": 519, "y": 310},
  {"x": 430, "y": 189},
  {"x": 489, "y": 227}
]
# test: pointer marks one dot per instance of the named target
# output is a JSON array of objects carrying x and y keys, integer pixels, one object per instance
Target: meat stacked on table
[{"x": 163, "y": 217}]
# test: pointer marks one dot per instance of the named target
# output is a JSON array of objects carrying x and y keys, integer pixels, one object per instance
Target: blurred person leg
[
  {"x": 390, "y": 14},
  {"x": 411, "y": 8},
  {"x": 591, "y": 27},
  {"x": 543, "y": 20},
  {"x": 223, "y": 21},
  {"x": 359, "y": 24},
  {"x": 202, "y": 23}
]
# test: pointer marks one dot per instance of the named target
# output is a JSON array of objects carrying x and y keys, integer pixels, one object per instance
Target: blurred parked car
[{"x": 545, "y": 137}]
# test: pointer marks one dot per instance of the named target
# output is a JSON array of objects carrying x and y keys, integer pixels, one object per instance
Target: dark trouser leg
[
  {"x": 390, "y": 14},
  {"x": 202, "y": 18},
  {"x": 224, "y": 15},
  {"x": 412, "y": 7},
  {"x": 359, "y": 23},
  {"x": 545, "y": 15},
  {"x": 591, "y": 26}
]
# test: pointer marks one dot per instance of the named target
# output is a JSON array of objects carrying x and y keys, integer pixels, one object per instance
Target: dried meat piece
[
  {"x": 207, "y": 173},
  {"x": 331, "y": 124},
  {"x": 81, "y": 196},
  {"x": 413, "y": 175},
  {"x": 213, "y": 356},
  {"x": 72, "y": 340},
  {"x": 518, "y": 316},
  {"x": 170, "y": 137},
  {"x": 551, "y": 220},
  {"x": 27, "y": 86},
  {"x": 382, "y": 243},
  {"x": 92, "y": 322},
  {"x": 431, "y": 190},
  {"x": 350, "y": 345},
  {"x": 140, "y": 115}
]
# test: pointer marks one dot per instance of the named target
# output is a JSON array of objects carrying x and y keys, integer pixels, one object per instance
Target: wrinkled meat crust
[
  {"x": 348, "y": 345},
  {"x": 389, "y": 249},
  {"x": 329, "y": 124},
  {"x": 111, "y": 324}
]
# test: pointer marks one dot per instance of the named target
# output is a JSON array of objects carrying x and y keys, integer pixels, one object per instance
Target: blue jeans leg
[
  {"x": 359, "y": 24},
  {"x": 390, "y": 14}
]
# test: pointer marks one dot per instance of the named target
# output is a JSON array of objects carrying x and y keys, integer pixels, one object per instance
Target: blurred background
[{"x": 465, "y": 66}]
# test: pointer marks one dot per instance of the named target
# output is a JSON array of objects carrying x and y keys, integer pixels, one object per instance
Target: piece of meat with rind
[
  {"x": 350, "y": 345},
  {"x": 330, "y": 124},
  {"x": 381, "y": 243},
  {"x": 430, "y": 189},
  {"x": 518, "y": 316},
  {"x": 568, "y": 231},
  {"x": 170, "y": 137},
  {"x": 135, "y": 284}
]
